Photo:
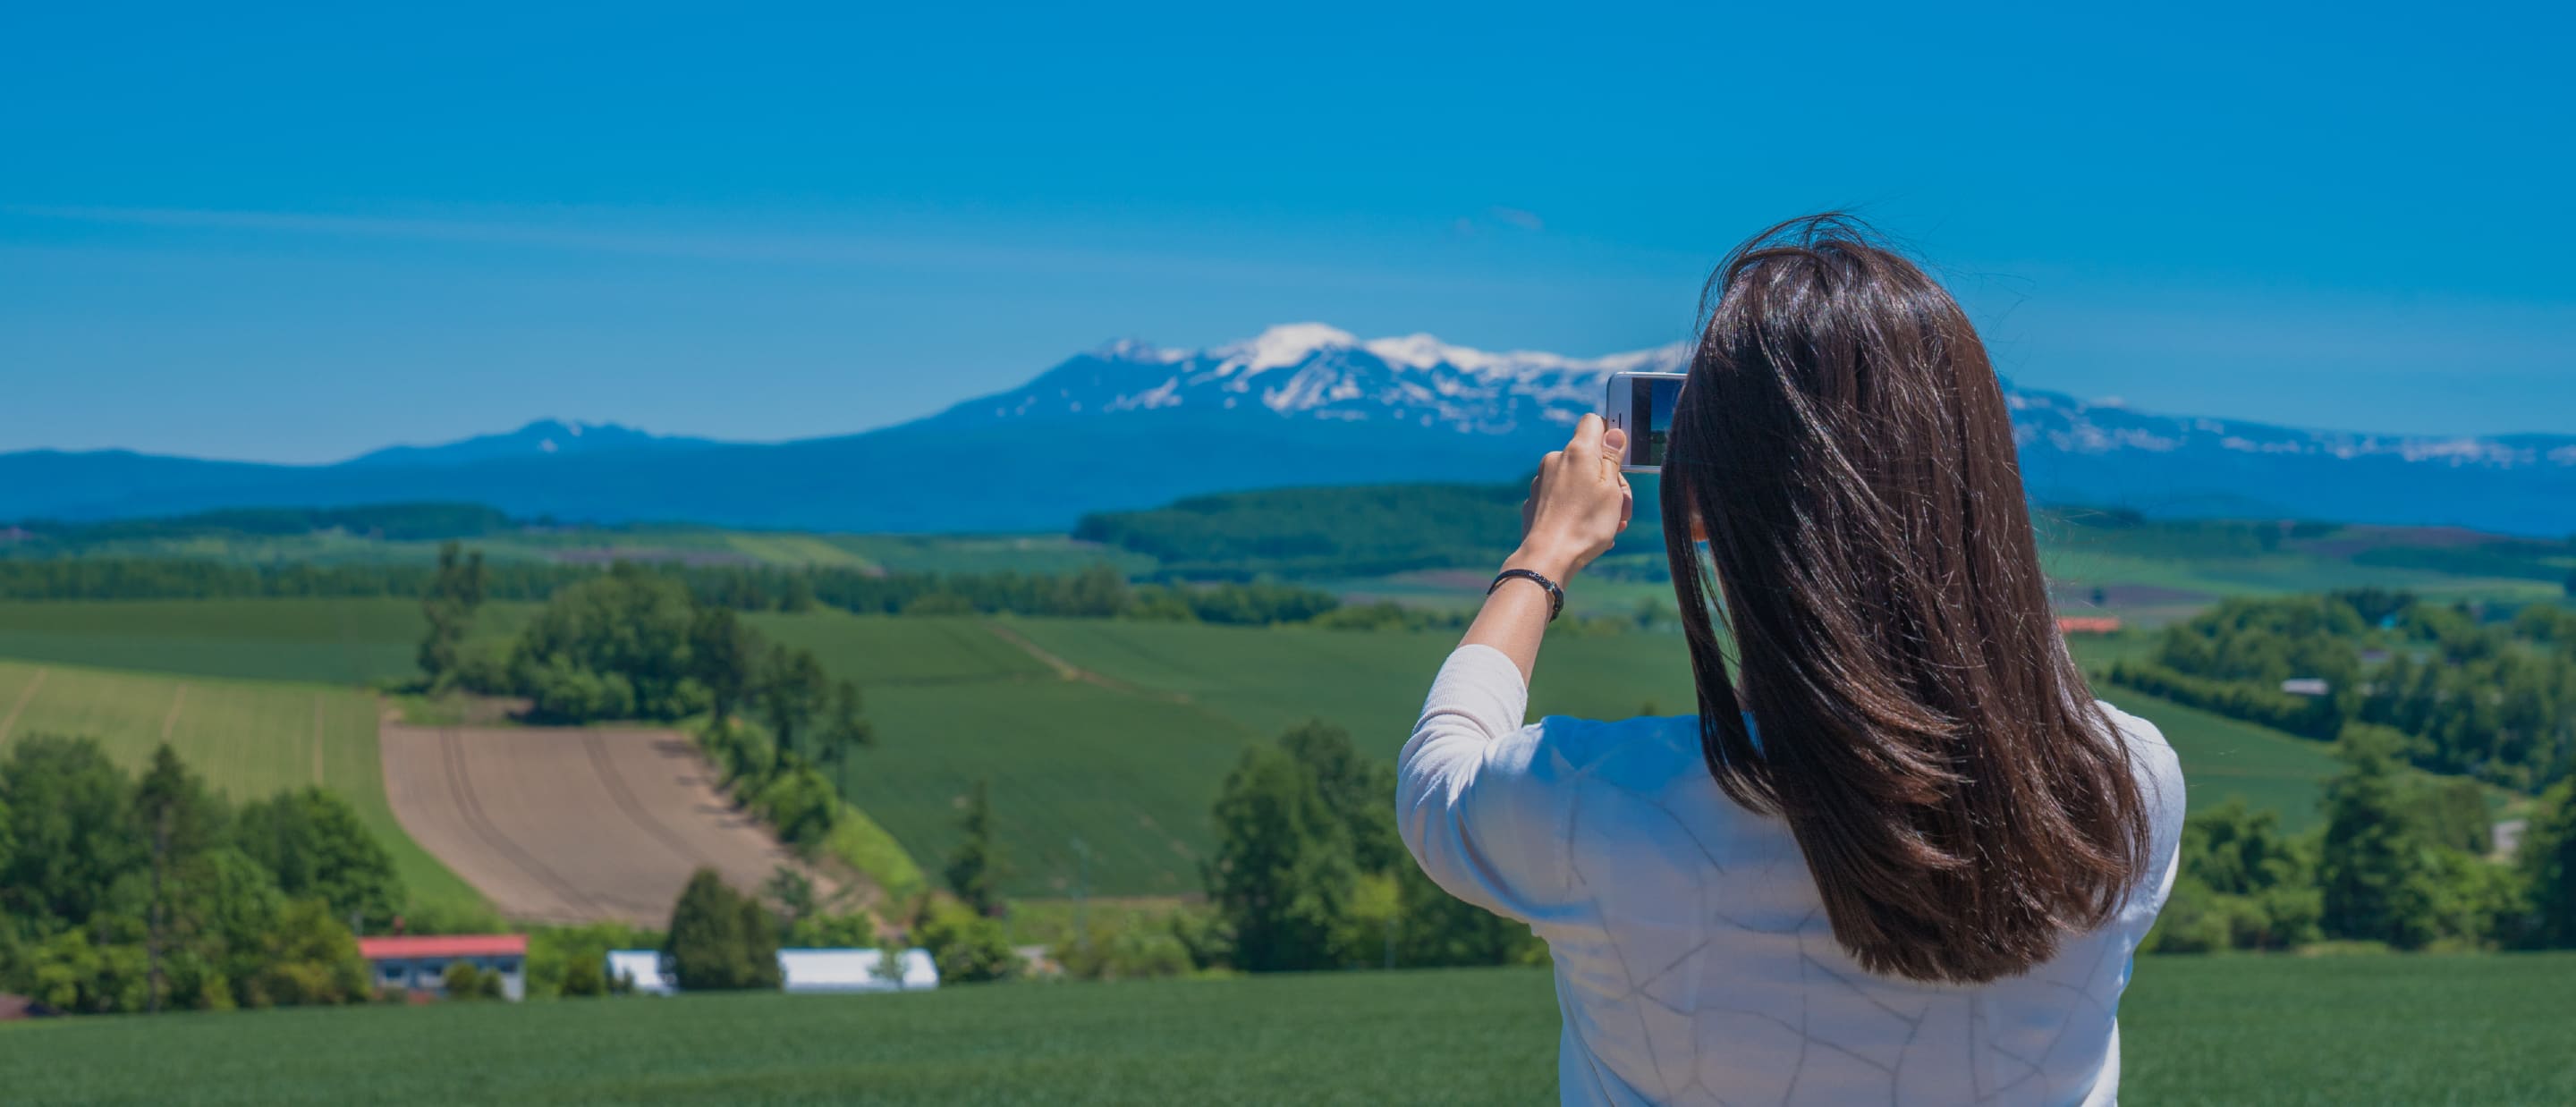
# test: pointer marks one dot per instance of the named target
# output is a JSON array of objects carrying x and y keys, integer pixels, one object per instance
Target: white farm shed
[
  {"x": 647, "y": 968},
  {"x": 854, "y": 970}
]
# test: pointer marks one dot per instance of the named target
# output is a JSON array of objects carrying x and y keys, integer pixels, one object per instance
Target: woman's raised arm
[{"x": 1578, "y": 504}]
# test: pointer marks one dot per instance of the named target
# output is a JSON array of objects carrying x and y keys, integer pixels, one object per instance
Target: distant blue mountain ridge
[
  {"x": 543, "y": 438},
  {"x": 1133, "y": 425}
]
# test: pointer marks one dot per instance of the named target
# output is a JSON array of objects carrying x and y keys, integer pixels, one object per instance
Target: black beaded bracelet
[{"x": 1555, "y": 595}]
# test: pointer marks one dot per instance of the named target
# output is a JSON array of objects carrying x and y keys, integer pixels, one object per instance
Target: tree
[
  {"x": 827, "y": 930},
  {"x": 1356, "y": 791},
  {"x": 573, "y": 960},
  {"x": 70, "y": 972},
  {"x": 449, "y": 603},
  {"x": 218, "y": 909},
  {"x": 793, "y": 691},
  {"x": 1283, "y": 875},
  {"x": 173, "y": 807},
  {"x": 2548, "y": 861},
  {"x": 976, "y": 868},
  {"x": 724, "y": 657},
  {"x": 2371, "y": 870},
  {"x": 316, "y": 846},
  {"x": 71, "y": 822},
  {"x": 587, "y": 976},
  {"x": 798, "y": 804},
  {"x": 720, "y": 940},
  {"x": 464, "y": 981},
  {"x": 1436, "y": 929},
  {"x": 612, "y": 646},
  {"x": 969, "y": 947},
  {"x": 791, "y": 895},
  {"x": 2244, "y": 884},
  {"x": 307, "y": 957},
  {"x": 843, "y": 728}
]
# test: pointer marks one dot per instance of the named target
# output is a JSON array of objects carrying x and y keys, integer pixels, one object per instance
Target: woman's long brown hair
[{"x": 1962, "y": 801}]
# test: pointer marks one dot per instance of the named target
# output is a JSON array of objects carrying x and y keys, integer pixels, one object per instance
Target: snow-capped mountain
[
  {"x": 1309, "y": 370},
  {"x": 1459, "y": 408},
  {"x": 2054, "y": 422},
  {"x": 1132, "y": 425}
]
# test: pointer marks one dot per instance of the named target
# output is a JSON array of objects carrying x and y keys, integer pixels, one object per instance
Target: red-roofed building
[
  {"x": 418, "y": 964},
  {"x": 2088, "y": 624}
]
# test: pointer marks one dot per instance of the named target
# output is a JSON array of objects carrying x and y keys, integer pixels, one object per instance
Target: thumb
[{"x": 1614, "y": 444}]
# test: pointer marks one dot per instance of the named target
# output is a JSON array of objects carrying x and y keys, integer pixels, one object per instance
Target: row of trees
[
  {"x": 461, "y": 580},
  {"x": 1096, "y": 592},
  {"x": 1309, "y": 873},
  {"x": 2496, "y": 700},
  {"x": 2398, "y": 862},
  {"x": 726, "y": 940},
  {"x": 123, "y": 893},
  {"x": 397, "y": 522}
]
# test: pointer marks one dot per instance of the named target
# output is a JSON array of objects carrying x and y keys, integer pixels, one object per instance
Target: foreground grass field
[
  {"x": 249, "y": 738},
  {"x": 2415, "y": 1030}
]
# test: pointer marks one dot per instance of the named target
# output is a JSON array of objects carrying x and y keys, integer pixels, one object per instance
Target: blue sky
[{"x": 300, "y": 235}]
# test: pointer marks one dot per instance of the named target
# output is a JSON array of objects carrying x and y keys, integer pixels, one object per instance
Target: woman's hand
[{"x": 1577, "y": 505}]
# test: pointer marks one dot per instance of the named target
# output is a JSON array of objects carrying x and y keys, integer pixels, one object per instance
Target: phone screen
[{"x": 1651, "y": 407}]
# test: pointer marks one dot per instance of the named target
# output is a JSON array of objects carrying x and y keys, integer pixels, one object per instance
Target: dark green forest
[
  {"x": 2451, "y": 691},
  {"x": 121, "y": 893},
  {"x": 1097, "y": 592},
  {"x": 2400, "y": 862},
  {"x": 392, "y": 522},
  {"x": 1376, "y": 529}
]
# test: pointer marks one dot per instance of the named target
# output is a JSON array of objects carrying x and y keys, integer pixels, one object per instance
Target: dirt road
[{"x": 571, "y": 825}]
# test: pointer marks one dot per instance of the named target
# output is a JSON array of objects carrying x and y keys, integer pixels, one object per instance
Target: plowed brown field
[{"x": 572, "y": 825}]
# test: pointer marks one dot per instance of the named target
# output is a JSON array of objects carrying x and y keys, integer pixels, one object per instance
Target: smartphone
[{"x": 1642, "y": 405}]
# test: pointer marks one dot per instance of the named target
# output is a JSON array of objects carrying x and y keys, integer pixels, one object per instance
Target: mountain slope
[
  {"x": 1132, "y": 425},
  {"x": 540, "y": 439}
]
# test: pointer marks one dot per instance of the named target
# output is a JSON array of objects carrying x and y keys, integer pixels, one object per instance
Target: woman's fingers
[{"x": 1579, "y": 502}]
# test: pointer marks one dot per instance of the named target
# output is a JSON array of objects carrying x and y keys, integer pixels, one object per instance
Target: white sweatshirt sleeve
[{"x": 1476, "y": 801}]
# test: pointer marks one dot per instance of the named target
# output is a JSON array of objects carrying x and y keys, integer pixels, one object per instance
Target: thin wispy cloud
[
  {"x": 821, "y": 249},
  {"x": 1516, "y": 217}
]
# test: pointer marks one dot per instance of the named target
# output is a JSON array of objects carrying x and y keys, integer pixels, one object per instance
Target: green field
[
  {"x": 2227, "y": 1030},
  {"x": 1267, "y": 679},
  {"x": 1129, "y": 773},
  {"x": 1129, "y": 757},
  {"x": 1127, "y": 761},
  {"x": 249, "y": 739},
  {"x": 2222, "y": 757},
  {"x": 329, "y": 641}
]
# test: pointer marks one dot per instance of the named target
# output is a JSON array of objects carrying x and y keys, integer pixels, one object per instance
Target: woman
[{"x": 1901, "y": 855}]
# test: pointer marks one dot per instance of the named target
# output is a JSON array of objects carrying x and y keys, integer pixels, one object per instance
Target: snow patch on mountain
[{"x": 1283, "y": 346}]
